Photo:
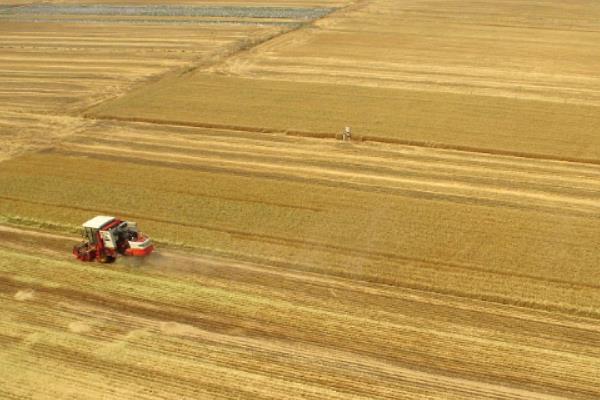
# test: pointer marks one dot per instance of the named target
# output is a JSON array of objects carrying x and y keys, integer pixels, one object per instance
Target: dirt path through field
[{"x": 306, "y": 348}]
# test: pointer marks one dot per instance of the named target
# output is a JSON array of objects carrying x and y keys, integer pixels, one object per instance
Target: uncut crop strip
[
  {"x": 537, "y": 129},
  {"x": 545, "y": 185},
  {"x": 231, "y": 322}
]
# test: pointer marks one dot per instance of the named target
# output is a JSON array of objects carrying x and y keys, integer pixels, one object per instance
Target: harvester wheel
[{"x": 106, "y": 259}]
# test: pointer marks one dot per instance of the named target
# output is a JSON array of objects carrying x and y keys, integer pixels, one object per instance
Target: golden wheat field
[
  {"x": 450, "y": 250},
  {"x": 513, "y": 77}
]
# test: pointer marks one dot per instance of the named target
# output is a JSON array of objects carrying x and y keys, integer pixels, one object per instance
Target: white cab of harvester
[{"x": 98, "y": 222}]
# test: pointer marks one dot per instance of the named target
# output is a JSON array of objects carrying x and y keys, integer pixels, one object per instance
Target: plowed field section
[{"x": 184, "y": 326}]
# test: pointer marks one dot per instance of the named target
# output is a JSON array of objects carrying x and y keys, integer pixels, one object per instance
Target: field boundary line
[
  {"x": 214, "y": 58},
  {"x": 357, "y": 138},
  {"x": 254, "y": 47}
]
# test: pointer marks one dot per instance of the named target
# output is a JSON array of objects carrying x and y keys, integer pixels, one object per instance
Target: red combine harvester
[{"x": 106, "y": 237}]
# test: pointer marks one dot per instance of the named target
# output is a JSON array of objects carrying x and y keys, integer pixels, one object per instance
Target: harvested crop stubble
[
  {"x": 536, "y": 50},
  {"x": 102, "y": 60},
  {"x": 495, "y": 76},
  {"x": 314, "y": 269},
  {"x": 258, "y": 331},
  {"x": 51, "y": 70}
]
